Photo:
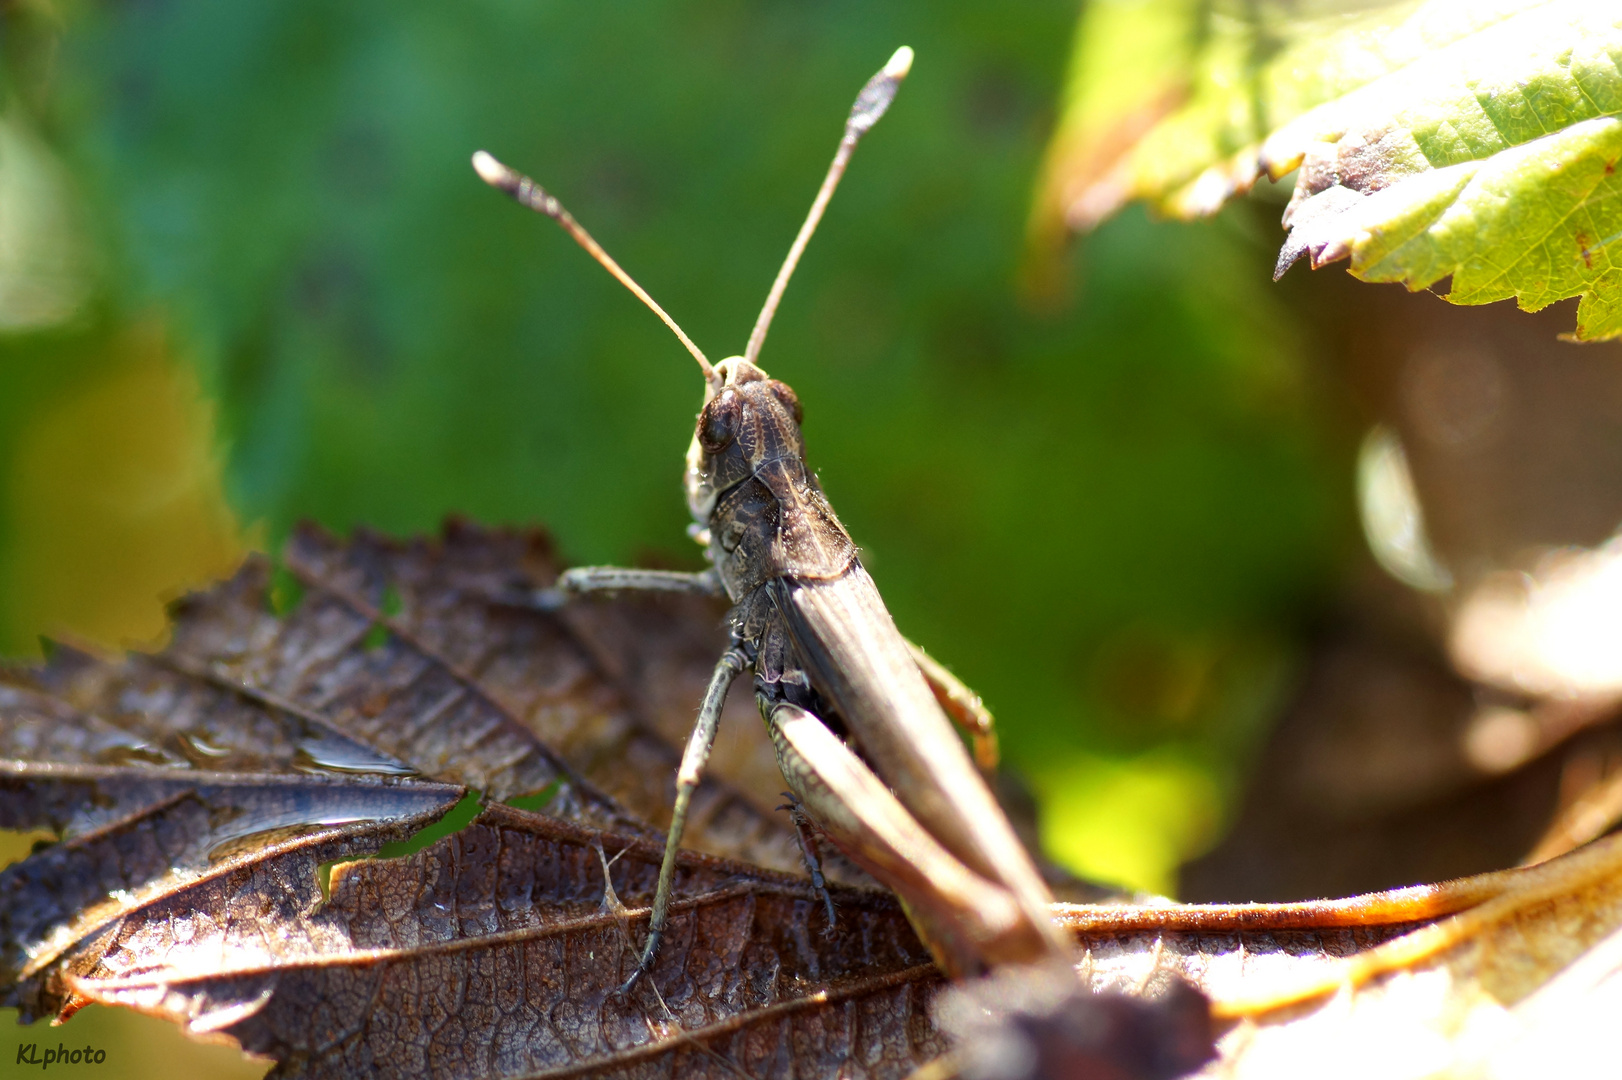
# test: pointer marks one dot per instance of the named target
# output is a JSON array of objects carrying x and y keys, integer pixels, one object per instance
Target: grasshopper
[{"x": 858, "y": 716}]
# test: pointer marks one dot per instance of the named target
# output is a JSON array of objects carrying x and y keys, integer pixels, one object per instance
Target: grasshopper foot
[
  {"x": 629, "y": 984},
  {"x": 644, "y": 963}
]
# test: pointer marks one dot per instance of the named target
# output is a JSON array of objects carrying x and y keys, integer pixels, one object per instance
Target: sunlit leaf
[{"x": 1460, "y": 140}]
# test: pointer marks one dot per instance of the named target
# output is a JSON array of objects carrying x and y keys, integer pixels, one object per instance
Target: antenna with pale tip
[
  {"x": 870, "y": 104},
  {"x": 530, "y": 194}
]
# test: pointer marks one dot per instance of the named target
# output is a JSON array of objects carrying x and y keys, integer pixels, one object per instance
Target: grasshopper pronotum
[{"x": 898, "y": 793}]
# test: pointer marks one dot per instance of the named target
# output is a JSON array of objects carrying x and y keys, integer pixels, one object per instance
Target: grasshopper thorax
[{"x": 749, "y": 487}]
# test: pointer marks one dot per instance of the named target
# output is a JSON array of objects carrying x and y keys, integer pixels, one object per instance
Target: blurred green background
[{"x": 247, "y": 276}]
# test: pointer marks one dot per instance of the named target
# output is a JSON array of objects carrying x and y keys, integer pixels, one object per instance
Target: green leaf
[{"x": 1463, "y": 140}]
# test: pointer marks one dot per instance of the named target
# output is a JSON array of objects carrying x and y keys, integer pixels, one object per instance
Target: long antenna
[
  {"x": 537, "y": 198},
  {"x": 870, "y": 104}
]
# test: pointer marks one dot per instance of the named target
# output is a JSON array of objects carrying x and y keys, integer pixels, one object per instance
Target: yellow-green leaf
[{"x": 1475, "y": 141}]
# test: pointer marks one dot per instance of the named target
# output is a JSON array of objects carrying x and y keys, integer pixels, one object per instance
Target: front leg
[
  {"x": 733, "y": 661},
  {"x": 590, "y": 579}
]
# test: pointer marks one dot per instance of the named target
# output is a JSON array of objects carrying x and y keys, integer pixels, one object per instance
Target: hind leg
[
  {"x": 962, "y": 705},
  {"x": 808, "y": 851}
]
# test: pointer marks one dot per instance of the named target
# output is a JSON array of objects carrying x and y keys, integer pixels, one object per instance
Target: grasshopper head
[{"x": 749, "y": 420}]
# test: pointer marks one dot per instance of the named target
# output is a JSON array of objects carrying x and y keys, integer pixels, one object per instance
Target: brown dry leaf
[
  {"x": 499, "y": 952},
  {"x": 469, "y": 660},
  {"x": 130, "y": 840},
  {"x": 205, "y": 794}
]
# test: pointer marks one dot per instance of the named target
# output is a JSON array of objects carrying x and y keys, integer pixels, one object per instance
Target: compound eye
[
  {"x": 719, "y": 424},
  {"x": 790, "y": 400}
]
